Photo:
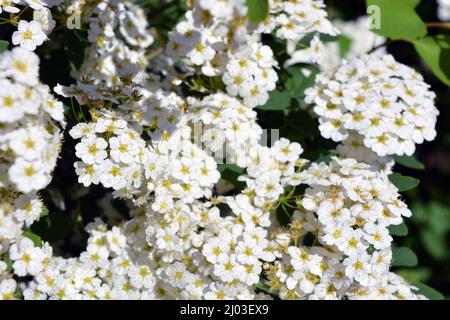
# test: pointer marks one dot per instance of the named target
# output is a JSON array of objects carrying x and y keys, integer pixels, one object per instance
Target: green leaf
[
  {"x": 53, "y": 227},
  {"x": 403, "y": 257},
  {"x": 9, "y": 263},
  {"x": 232, "y": 167},
  {"x": 400, "y": 230},
  {"x": 18, "y": 293},
  {"x": 403, "y": 183},
  {"x": 439, "y": 221},
  {"x": 324, "y": 157},
  {"x": 409, "y": 162},
  {"x": 74, "y": 49},
  {"x": 434, "y": 243},
  {"x": 412, "y": 3},
  {"x": 44, "y": 211},
  {"x": 278, "y": 101},
  {"x": 345, "y": 44},
  {"x": 435, "y": 51},
  {"x": 3, "y": 46},
  {"x": 258, "y": 10},
  {"x": 420, "y": 212},
  {"x": 34, "y": 237},
  {"x": 297, "y": 82},
  {"x": 428, "y": 292},
  {"x": 418, "y": 274},
  {"x": 399, "y": 20},
  {"x": 231, "y": 173},
  {"x": 261, "y": 286}
]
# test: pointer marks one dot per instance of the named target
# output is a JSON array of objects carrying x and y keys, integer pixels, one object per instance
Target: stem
[
  {"x": 444, "y": 25},
  {"x": 73, "y": 110},
  {"x": 286, "y": 211},
  {"x": 82, "y": 113},
  {"x": 154, "y": 54},
  {"x": 21, "y": 12},
  {"x": 289, "y": 206},
  {"x": 386, "y": 43}
]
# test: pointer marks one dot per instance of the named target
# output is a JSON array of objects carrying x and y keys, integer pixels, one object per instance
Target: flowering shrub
[{"x": 164, "y": 118}]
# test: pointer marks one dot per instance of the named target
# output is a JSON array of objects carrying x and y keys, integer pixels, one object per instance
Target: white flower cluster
[
  {"x": 329, "y": 54},
  {"x": 227, "y": 126},
  {"x": 26, "y": 259},
  {"x": 112, "y": 267},
  {"x": 115, "y": 153},
  {"x": 345, "y": 211},
  {"x": 353, "y": 147},
  {"x": 293, "y": 20},
  {"x": 217, "y": 38},
  {"x": 31, "y": 34},
  {"x": 159, "y": 148},
  {"x": 444, "y": 10},
  {"x": 385, "y": 102},
  {"x": 30, "y": 138},
  {"x": 29, "y": 142},
  {"x": 211, "y": 250},
  {"x": 218, "y": 247},
  {"x": 118, "y": 33},
  {"x": 167, "y": 173}
]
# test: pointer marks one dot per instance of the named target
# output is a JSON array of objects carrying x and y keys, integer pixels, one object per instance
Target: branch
[
  {"x": 384, "y": 44},
  {"x": 444, "y": 25}
]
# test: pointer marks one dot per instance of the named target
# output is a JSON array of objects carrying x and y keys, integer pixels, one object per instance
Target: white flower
[
  {"x": 113, "y": 175},
  {"x": 81, "y": 130},
  {"x": 29, "y": 209},
  {"x": 254, "y": 95},
  {"x": 7, "y": 289},
  {"x": 54, "y": 108},
  {"x": 91, "y": 150},
  {"x": 215, "y": 250},
  {"x": 29, "y": 35},
  {"x": 141, "y": 276},
  {"x": 116, "y": 240},
  {"x": 28, "y": 176},
  {"x": 123, "y": 149},
  {"x": 248, "y": 251},
  {"x": 8, "y": 6},
  {"x": 378, "y": 236},
  {"x": 302, "y": 260},
  {"x": 285, "y": 151},
  {"x": 28, "y": 143},
  {"x": 358, "y": 268},
  {"x": 27, "y": 258},
  {"x": 250, "y": 273},
  {"x": 44, "y": 17},
  {"x": 228, "y": 270},
  {"x": 21, "y": 65},
  {"x": 444, "y": 10},
  {"x": 11, "y": 108},
  {"x": 201, "y": 53},
  {"x": 178, "y": 275},
  {"x": 36, "y": 4},
  {"x": 87, "y": 173}
]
